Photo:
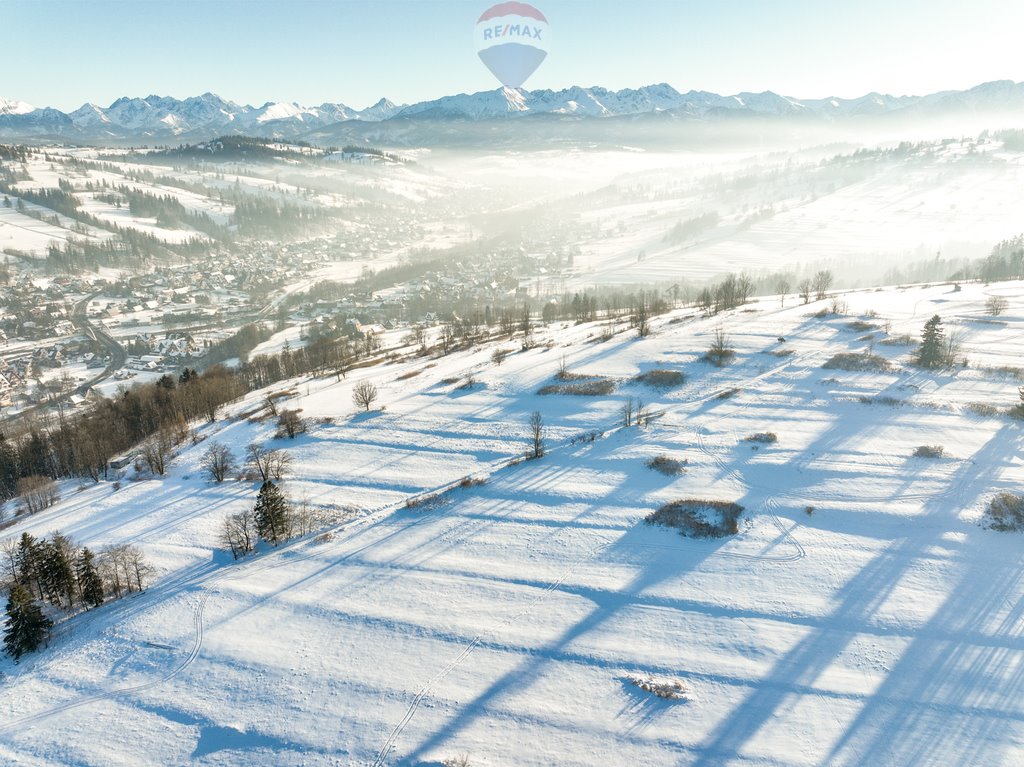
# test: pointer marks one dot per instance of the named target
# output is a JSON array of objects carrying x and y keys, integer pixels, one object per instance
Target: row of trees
[
  {"x": 68, "y": 577},
  {"x": 82, "y": 445}
]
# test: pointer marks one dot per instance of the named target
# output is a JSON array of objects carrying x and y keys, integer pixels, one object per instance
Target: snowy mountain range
[{"x": 156, "y": 118}]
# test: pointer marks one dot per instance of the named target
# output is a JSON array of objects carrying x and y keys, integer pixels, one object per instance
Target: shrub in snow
[
  {"x": 588, "y": 436},
  {"x": 901, "y": 340},
  {"x": 666, "y": 690},
  {"x": 930, "y": 451},
  {"x": 727, "y": 394},
  {"x": 462, "y": 760},
  {"x": 856, "y": 362},
  {"x": 666, "y": 465},
  {"x": 719, "y": 353},
  {"x": 696, "y": 518},
  {"x": 661, "y": 379},
  {"x": 885, "y": 400},
  {"x": 983, "y": 409},
  {"x": 762, "y": 438},
  {"x": 290, "y": 424},
  {"x": 1005, "y": 513},
  {"x": 597, "y": 387}
]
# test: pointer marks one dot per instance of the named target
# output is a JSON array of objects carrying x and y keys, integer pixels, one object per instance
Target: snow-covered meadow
[{"x": 863, "y": 614}]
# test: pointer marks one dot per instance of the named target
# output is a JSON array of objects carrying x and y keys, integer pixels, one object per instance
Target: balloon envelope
[{"x": 512, "y": 40}]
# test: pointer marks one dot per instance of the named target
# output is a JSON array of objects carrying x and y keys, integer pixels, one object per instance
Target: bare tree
[
  {"x": 238, "y": 533},
  {"x": 137, "y": 567},
  {"x": 344, "y": 358},
  {"x": 256, "y": 457},
  {"x": 158, "y": 450},
  {"x": 627, "y": 412},
  {"x": 290, "y": 424},
  {"x": 641, "y": 318},
  {"x": 822, "y": 282},
  {"x": 537, "y": 432},
  {"x": 271, "y": 403},
  {"x": 270, "y": 464},
  {"x": 10, "y": 556},
  {"x": 218, "y": 461},
  {"x": 744, "y": 288},
  {"x": 782, "y": 284},
  {"x": 364, "y": 394},
  {"x": 805, "y": 288},
  {"x": 643, "y": 414},
  {"x": 124, "y": 568},
  {"x": 278, "y": 462},
  {"x": 996, "y": 305}
]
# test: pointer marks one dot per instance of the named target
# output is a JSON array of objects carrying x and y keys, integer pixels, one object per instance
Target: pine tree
[
  {"x": 56, "y": 569},
  {"x": 8, "y": 469},
  {"x": 27, "y": 627},
  {"x": 28, "y": 562},
  {"x": 90, "y": 584},
  {"x": 932, "y": 351},
  {"x": 1018, "y": 411},
  {"x": 271, "y": 514}
]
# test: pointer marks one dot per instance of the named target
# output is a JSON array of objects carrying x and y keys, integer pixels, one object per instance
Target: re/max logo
[{"x": 512, "y": 30}]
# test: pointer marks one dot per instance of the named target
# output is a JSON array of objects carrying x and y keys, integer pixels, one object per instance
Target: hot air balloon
[{"x": 512, "y": 40}]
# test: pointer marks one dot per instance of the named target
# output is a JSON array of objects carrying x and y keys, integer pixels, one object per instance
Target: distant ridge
[{"x": 159, "y": 118}]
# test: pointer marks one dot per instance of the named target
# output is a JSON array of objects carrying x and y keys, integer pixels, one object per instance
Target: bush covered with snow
[
  {"x": 661, "y": 379},
  {"x": 596, "y": 387},
  {"x": 664, "y": 689},
  {"x": 857, "y": 362},
  {"x": 696, "y": 518},
  {"x": 1005, "y": 513},
  {"x": 930, "y": 451},
  {"x": 763, "y": 438},
  {"x": 667, "y": 465}
]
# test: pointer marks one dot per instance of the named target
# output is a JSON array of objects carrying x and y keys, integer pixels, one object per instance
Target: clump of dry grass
[
  {"x": 596, "y": 387},
  {"x": 763, "y": 438},
  {"x": 661, "y": 379},
  {"x": 667, "y": 465},
  {"x": 664, "y": 689},
  {"x": 697, "y": 518},
  {"x": 1005, "y": 513},
  {"x": 857, "y": 362}
]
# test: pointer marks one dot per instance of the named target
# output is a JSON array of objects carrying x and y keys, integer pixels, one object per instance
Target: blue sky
[{"x": 64, "y": 52}]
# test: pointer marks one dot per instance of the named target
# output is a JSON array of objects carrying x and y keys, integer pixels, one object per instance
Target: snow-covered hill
[
  {"x": 861, "y": 616},
  {"x": 208, "y": 115}
]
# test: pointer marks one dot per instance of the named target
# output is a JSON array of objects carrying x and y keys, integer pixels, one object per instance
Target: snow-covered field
[{"x": 886, "y": 627}]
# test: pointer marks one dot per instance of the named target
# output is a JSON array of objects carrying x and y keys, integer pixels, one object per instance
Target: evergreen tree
[
  {"x": 271, "y": 514},
  {"x": 8, "y": 469},
  {"x": 27, "y": 627},
  {"x": 56, "y": 570},
  {"x": 90, "y": 584},
  {"x": 932, "y": 351},
  {"x": 28, "y": 562}
]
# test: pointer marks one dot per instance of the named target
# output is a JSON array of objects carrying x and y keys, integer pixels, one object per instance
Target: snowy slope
[{"x": 885, "y": 628}]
